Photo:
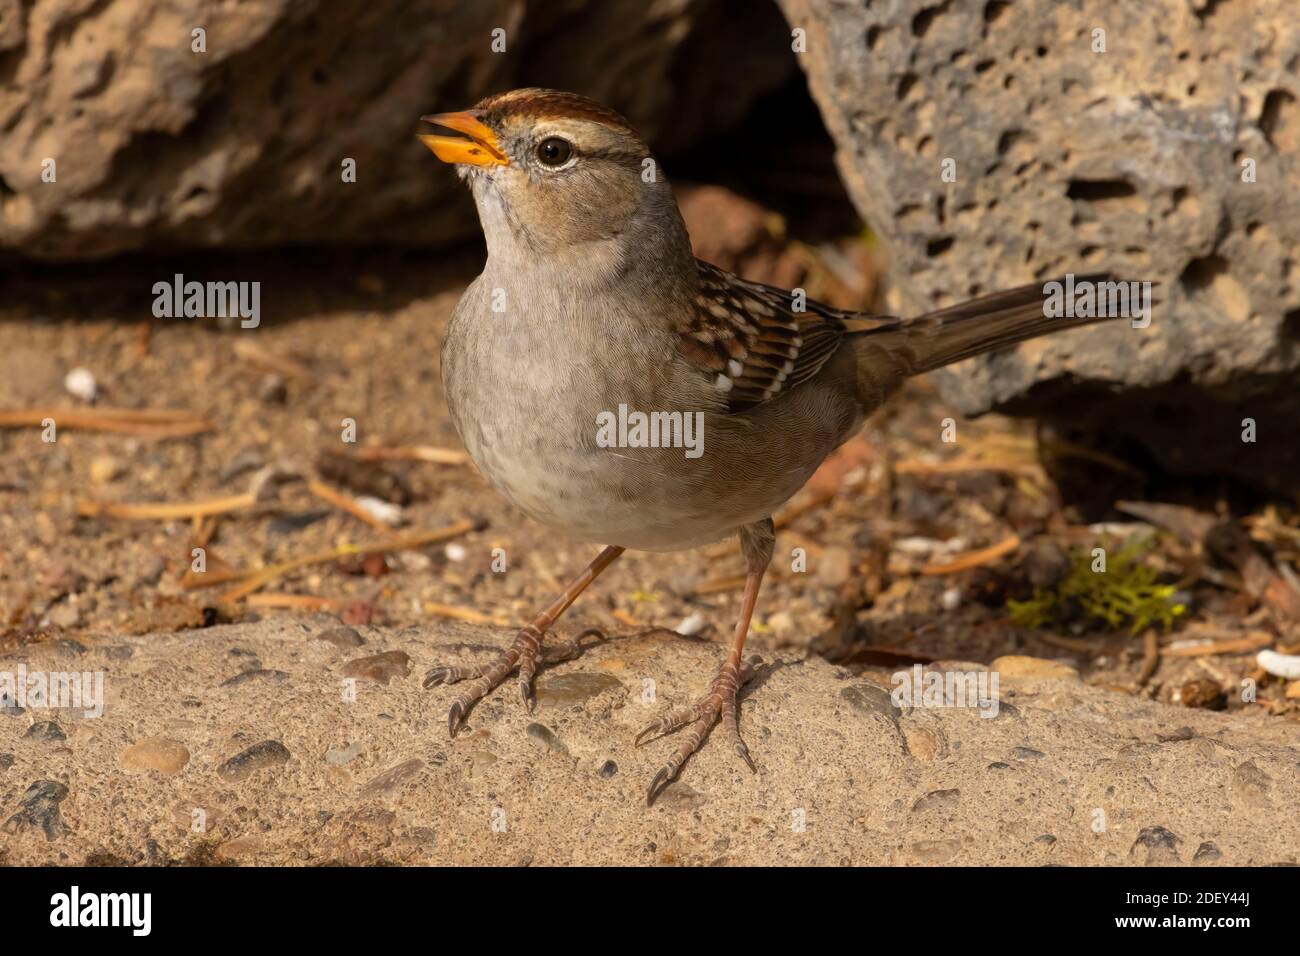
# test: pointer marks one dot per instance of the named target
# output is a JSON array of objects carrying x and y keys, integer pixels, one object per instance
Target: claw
[
  {"x": 743, "y": 753},
  {"x": 454, "y": 717},
  {"x": 660, "y": 778}
]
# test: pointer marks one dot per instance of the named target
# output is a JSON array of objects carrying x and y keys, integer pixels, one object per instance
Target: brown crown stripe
[{"x": 550, "y": 104}]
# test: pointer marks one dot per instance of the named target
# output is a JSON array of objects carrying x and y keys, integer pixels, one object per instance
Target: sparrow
[{"x": 591, "y": 304}]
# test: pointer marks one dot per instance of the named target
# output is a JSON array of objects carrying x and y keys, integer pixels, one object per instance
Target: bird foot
[
  {"x": 719, "y": 704},
  {"x": 526, "y": 652}
]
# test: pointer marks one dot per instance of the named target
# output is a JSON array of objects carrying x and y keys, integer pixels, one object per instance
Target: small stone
[
  {"x": 240, "y": 847},
  {"x": 69, "y": 648},
  {"x": 455, "y": 552},
  {"x": 163, "y": 754},
  {"x": 40, "y": 808},
  {"x": 871, "y": 699},
  {"x": 1207, "y": 853},
  {"x": 286, "y": 524},
  {"x": 681, "y": 796},
  {"x": 392, "y": 778},
  {"x": 1161, "y": 846},
  {"x": 937, "y": 800},
  {"x": 691, "y": 624},
  {"x": 340, "y": 756},
  {"x": 80, "y": 383},
  {"x": 543, "y": 737},
  {"x": 268, "y": 753},
  {"x": 1046, "y": 563},
  {"x": 925, "y": 743},
  {"x": 6, "y": 761},
  {"x": 1018, "y": 665},
  {"x": 950, "y": 599},
  {"x": 258, "y": 674},
  {"x": 1203, "y": 693},
  {"x": 341, "y": 637},
  {"x": 46, "y": 730},
  {"x": 380, "y": 668},
  {"x": 480, "y": 760},
  {"x": 65, "y": 614},
  {"x": 936, "y": 851},
  {"x": 834, "y": 566},
  {"x": 608, "y": 769},
  {"x": 272, "y": 389},
  {"x": 105, "y": 469},
  {"x": 562, "y": 690},
  {"x": 1027, "y": 753}
]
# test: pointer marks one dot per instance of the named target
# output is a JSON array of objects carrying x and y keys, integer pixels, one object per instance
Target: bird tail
[{"x": 889, "y": 351}]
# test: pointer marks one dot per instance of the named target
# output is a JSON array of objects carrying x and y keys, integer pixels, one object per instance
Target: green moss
[{"x": 1127, "y": 592}]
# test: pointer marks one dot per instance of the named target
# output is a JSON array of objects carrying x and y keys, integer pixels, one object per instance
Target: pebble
[
  {"x": 1019, "y": 665},
  {"x": 871, "y": 699},
  {"x": 480, "y": 760},
  {"x": 65, "y": 614},
  {"x": 272, "y": 389},
  {"x": 45, "y": 730},
  {"x": 256, "y": 674},
  {"x": 341, "y": 756},
  {"x": 608, "y": 769},
  {"x": 1161, "y": 846},
  {"x": 1027, "y": 753},
  {"x": 455, "y": 552},
  {"x": 6, "y": 761},
  {"x": 268, "y": 753},
  {"x": 681, "y": 796},
  {"x": 951, "y": 599},
  {"x": 104, "y": 469},
  {"x": 156, "y": 753},
  {"x": 1203, "y": 693},
  {"x": 80, "y": 383},
  {"x": 341, "y": 637},
  {"x": 40, "y": 808},
  {"x": 1207, "y": 853},
  {"x": 566, "y": 689},
  {"x": 937, "y": 800},
  {"x": 380, "y": 668},
  {"x": 691, "y": 624},
  {"x": 936, "y": 851},
  {"x": 392, "y": 778},
  {"x": 543, "y": 737}
]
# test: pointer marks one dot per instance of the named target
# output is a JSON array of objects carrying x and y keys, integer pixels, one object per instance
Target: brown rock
[
  {"x": 163, "y": 754},
  {"x": 380, "y": 668}
]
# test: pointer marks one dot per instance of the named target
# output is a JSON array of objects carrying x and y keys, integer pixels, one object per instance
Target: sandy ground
[{"x": 241, "y": 744}]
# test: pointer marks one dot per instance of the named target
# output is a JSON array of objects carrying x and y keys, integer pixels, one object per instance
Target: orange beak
[{"x": 478, "y": 146}]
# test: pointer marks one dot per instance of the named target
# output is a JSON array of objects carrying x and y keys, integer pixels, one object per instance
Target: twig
[
  {"x": 1150, "y": 657},
  {"x": 346, "y": 503},
  {"x": 975, "y": 559},
  {"x": 145, "y": 423},
  {"x": 253, "y": 581},
  {"x": 151, "y": 510},
  {"x": 438, "y": 456},
  {"x": 462, "y": 614},
  {"x": 1239, "y": 645}
]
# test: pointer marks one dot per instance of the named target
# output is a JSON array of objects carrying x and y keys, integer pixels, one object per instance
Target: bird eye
[{"x": 554, "y": 151}]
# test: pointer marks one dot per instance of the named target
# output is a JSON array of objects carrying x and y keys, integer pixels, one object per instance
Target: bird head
[{"x": 556, "y": 173}]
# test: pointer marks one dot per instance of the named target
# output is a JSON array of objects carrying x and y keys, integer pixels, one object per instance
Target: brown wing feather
[{"x": 752, "y": 339}]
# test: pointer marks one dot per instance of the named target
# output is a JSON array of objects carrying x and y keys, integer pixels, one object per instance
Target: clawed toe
[{"x": 718, "y": 705}]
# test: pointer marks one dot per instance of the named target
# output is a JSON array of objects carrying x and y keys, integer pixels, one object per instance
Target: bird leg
[
  {"x": 719, "y": 704},
  {"x": 524, "y": 652}
]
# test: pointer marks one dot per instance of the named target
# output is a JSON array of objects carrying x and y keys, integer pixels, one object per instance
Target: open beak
[{"x": 478, "y": 146}]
